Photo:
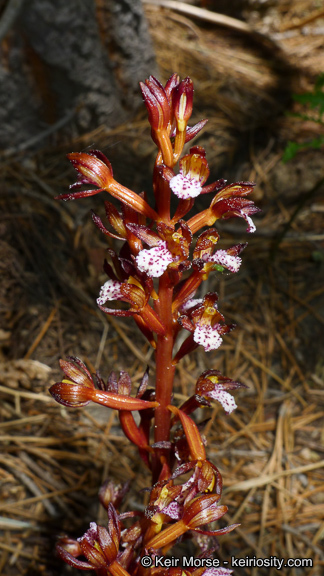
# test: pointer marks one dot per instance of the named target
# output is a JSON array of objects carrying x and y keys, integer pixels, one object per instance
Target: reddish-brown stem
[
  {"x": 164, "y": 373},
  {"x": 162, "y": 194},
  {"x": 188, "y": 290}
]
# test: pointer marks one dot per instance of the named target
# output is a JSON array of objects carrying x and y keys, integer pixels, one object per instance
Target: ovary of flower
[
  {"x": 207, "y": 336},
  {"x": 223, "y": 397},
  {"x": 154, "y": 261},
  {"x": 230, "y": 262},
  {"x": 185, "y": 187},
  {"x": 109, "y": 291}
]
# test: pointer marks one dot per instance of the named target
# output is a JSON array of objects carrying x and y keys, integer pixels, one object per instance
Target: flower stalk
[{"x": 154, "y": 279}]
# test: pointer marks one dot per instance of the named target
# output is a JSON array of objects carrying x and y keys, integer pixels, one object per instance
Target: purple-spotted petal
[
  {"x": 222, "y": 258},
  {"x": 207, "y": 336},
  {"x": 223, "y": 397},
  {"x": 251, "y": 226},
  {"x": 217, "y": 572},
  {"x": 173, "y": 510},
  {"x": 155, "y": 260},
  {"x": 185, "y": 187},
  {"x": 109, "y": 291}
]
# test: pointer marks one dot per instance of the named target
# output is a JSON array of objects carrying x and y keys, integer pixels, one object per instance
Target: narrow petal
[
  {"x": 194, "y": 130},
  {"x": 77, "y": 195},
  {"x": 77, "y": 371},
  {"x": 218, "y": 532},
  {"x": 97, "y": 171},
  {"x": 71, "y": 560},
  {"x": 131, "y": 430},
  {"x": 207, "y": 515}
]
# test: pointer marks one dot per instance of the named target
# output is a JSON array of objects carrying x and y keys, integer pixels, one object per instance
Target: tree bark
[{"x": 58, "y": 57}]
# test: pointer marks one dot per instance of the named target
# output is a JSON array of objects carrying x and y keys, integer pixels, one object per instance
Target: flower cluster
[{"x": 154, "y": 278}]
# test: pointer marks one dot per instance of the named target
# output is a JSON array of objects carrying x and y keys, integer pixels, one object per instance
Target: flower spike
[{"x": 155, "y": 276}]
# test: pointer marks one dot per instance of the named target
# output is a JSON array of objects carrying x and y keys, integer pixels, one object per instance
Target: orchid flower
[
  {"x": 99, "y": 545},
  {"x": 78, "y": 389},
  {"x": 203, "y": 319},
  {"x": 193, "y": 174}
]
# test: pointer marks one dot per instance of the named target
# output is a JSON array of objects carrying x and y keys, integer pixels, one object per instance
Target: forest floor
[{"x": 270, "y": 450}]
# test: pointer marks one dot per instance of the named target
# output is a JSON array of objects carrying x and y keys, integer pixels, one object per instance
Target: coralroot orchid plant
[{"x": 186, "y": 487}]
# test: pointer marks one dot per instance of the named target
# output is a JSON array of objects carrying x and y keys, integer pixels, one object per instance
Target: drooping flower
[
  {"x": 99, "y": 545},
  {"x": 95, "y": 169},
  {"x": 78, "y": 389},
  {"x": 163, "y": 506},
  {"x": 202, "y": 318},
  {"x": 204, "y": 252},
  {"x": 229, "y": 202},
  {"x": 204, "y": 262},
  {"x": 137, "y": 295},
  {"x": 207, "y": 336},
  {"x": 211, "y": 384},
  {"x": 208, "y": 330},
  {"x": 200, "y": 511}
]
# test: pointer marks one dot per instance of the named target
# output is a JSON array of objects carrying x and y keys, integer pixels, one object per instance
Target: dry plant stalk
[{"x": 157, "y": 245}]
